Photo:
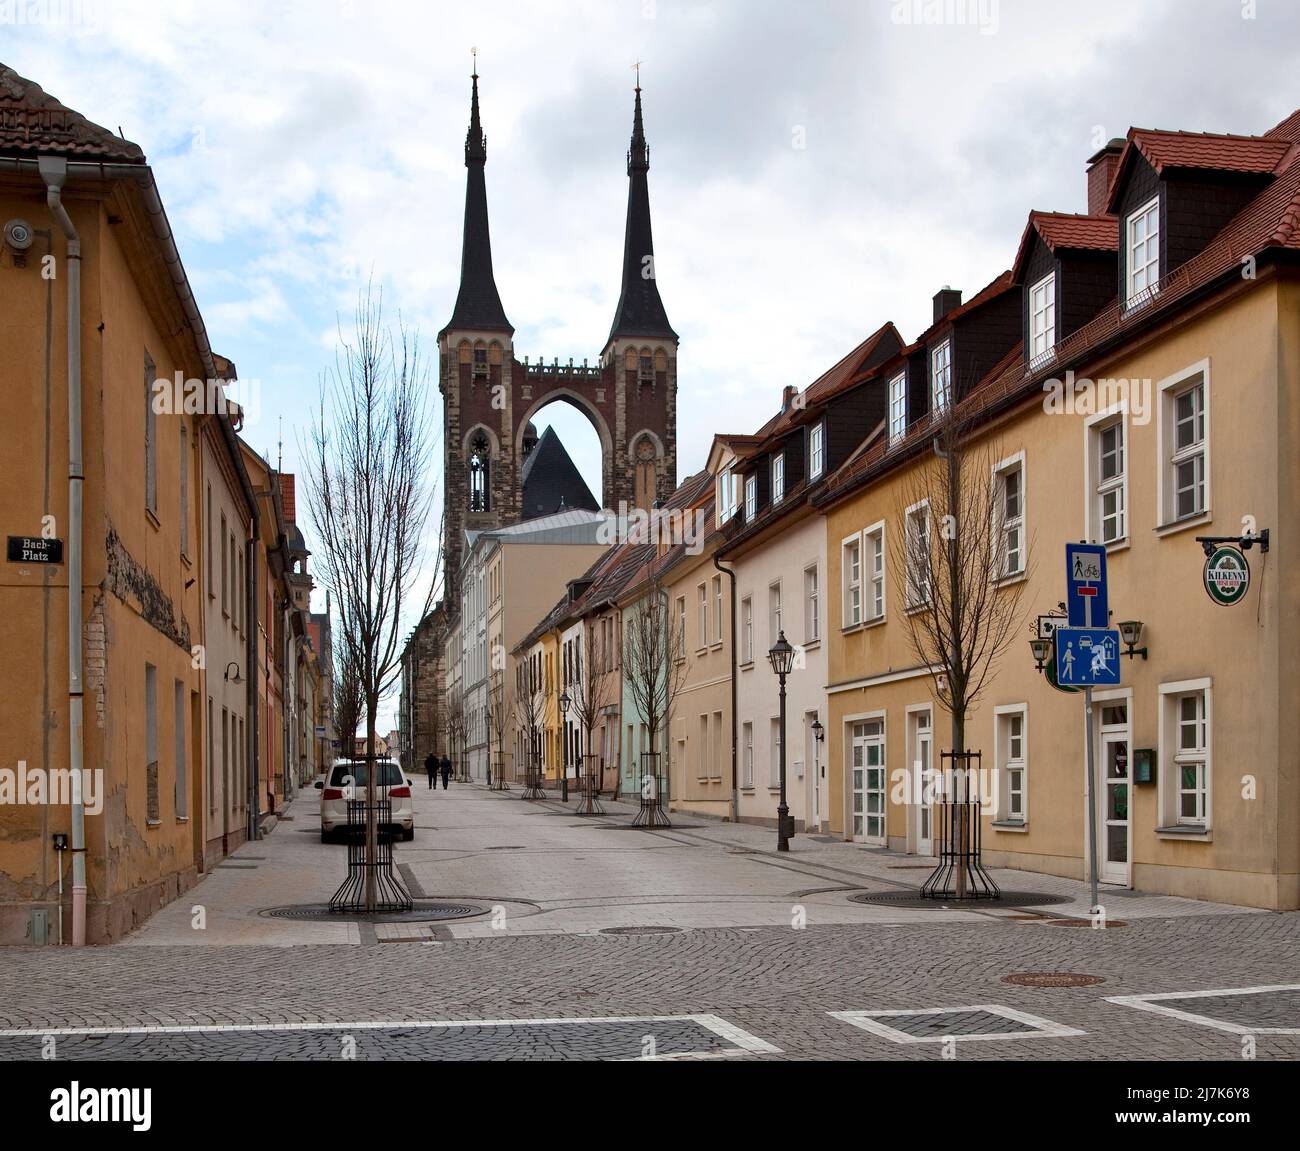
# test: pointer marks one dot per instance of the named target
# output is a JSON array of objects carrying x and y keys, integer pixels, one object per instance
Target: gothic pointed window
[
  {"x": 478, "y": 474},
  {"x": 645, "y": 474}
]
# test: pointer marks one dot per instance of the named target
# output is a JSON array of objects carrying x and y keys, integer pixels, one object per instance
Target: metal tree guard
[
  {"x": 533, "y": 780},
  {"x": 652, "y": 812},
  {"x": 589, "y": 804},
  {"x": 959, "y": 834},
  {"x": 499, "y": 776},
  {"x": 390, "y": 891}
]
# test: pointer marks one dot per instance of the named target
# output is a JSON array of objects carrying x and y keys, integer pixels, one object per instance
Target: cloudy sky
[{"x": 816, "y": 168}]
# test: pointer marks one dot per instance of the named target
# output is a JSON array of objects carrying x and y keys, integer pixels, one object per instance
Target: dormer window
[
  {"x": 646, "y": 370},
  {"x": 941, "y": 378},
  {"x": 778, "y": 478},
  {"x": 1142, "y": 253},
  {"x": 816, "y": 450},
  {"x": 726, "y": 497},
  {"x": 897, "y": 408},
  {"x": 751, "y": 498},
  {"x": 1042, "y": 319},
  {"x": 480, "y": 362}
]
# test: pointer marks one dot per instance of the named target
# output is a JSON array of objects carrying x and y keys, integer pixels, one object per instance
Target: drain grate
[
  {"x": 1053, "y": 979},
  {"x": 422, "y": 912},
  {"x": 912, "y": 899},
  {"x": 639, "y": 930},
  {"x": 507, "y": 847}
]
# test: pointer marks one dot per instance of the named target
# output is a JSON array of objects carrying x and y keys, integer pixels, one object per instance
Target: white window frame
[
  {"x": 941, "y": 377},
  {"x": 1042, "y": 319},
  {"x": 726, "y": 498},
  {"x": 1135, "y": 296},
  {"x": 747, "y": 630},
  {"x": 1094, "y": 491},
  {"x": 747, "y": 756},
  {"x": 681, "y": 628},
  {"x": 1168, "y": 456},
  {"x": 816, "y": 449},
  {"x": 1003, "y": 714},
  {"x": 774, "y": 754},
  {"x": 812, "y": 628},
  {"x": 897, "y": 408},
  {"x": 702, "y": 618},
  {"x": 1171, "y": 759},
  {"x": 910, "y": 599},
  {"x": 751, "y": 497},
  {"x": 874, "y": 581},
  {"x": 778, "y": 478},
  {"x": 775, "y": 605},
  {"x": 1004, "y": 525},
  {"x": 851, "y": 551},
  {"x": 717, "y": 609}
]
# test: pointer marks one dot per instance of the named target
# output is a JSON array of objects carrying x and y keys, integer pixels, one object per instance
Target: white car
[{"x": 347, "y": 780}]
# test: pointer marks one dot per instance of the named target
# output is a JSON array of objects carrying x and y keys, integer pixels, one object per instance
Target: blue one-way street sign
[
  {"x": 1087, "y": 657},
  {"x": 1085, "y": 582}
]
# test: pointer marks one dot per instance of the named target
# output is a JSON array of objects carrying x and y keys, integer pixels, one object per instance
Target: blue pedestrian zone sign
[
  {"x": 1087, "y": 657},
  {"x": 1085, "y": 582}
]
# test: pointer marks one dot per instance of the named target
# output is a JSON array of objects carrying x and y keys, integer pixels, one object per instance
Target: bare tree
[
  {"x": 964, "y": 552},
  {"x": 347, "y": 697},
  {"x": 530, "y": 716},
  {"x": 654, "y": 658},
  {"x": 500, "y": 713},
  {"x": 591, "y": 692},
  {"x": 455, "y": 730},
  {"x": 369, "y": 502}
]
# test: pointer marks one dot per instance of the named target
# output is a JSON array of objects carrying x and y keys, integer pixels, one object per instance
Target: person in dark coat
[
  {"x": 446, "y": 772},
  {"x": 431, "y": 768}
]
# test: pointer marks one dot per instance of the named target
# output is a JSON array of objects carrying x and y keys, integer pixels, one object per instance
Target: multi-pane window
[
  {"x": 816, "y": 450},
  {"x": 774, "y": 762},
  {"x": 812, "y": 608},
  {"x": 185, "y": 491},
  {"x": 726, "y": 498},
  {"x": 681, "y": 627},
  {"x": 1042, "y": 317},
  {"x": 480, "y": 362},
  {"x": 1187, "y": 461},
  {"x": 703, "y": 617},
  {"x": 225, "y": 568},
  {"x": 778, "y": 477},
  {"x": 1014, "y": 758},
  {"x": 747, "y": 756},
  {"x": 852, "y": 582},
  {"x": 751, "y": 498},
  {"x": 1111, "y": 482},
  {"x": 717, "y": 609},
  {"x": 897, "y": 407},
  {"x": 941, "y": 377},
  {"x": 1191, "y": 757},
  {"x": 747, "y": 630},
  {"x": 1011, "y": 520},
  {"x": 774, "y": 625},
  {"x": 919, "y": 558},
  {"x": 875, "y": 548},
  {"x": 1143, "y": 252},
  {"x": 150, "y": 441}
]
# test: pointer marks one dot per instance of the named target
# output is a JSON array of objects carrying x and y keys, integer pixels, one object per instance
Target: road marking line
[
  {"x": 1041, "y": 1028},
  {"x": 1148, "y": 1003}
]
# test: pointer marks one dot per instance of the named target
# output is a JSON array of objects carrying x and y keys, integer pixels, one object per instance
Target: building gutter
[{"x": 735, "y": 783}]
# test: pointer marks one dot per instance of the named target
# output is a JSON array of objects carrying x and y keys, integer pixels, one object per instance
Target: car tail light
[
  {"x": 332, "y": 793},
  {"x": 402, "y": 792}
]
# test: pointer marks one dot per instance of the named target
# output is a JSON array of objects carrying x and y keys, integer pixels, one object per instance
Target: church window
[{"x": 478, "y": 473}]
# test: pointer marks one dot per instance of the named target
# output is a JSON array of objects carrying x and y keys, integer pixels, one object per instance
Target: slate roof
[
  {"x": 34, "y": 123},
  {"x": 551, "y": 481}
]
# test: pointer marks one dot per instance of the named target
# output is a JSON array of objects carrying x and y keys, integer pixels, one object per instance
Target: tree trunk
[{"x": 372, "y": 827}]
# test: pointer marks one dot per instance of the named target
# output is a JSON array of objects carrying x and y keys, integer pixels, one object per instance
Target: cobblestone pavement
[{"x": 740, "y": 958}]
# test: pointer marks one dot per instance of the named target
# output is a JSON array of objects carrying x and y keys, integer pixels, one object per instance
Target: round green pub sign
[{"x": 1227, "y": 576}]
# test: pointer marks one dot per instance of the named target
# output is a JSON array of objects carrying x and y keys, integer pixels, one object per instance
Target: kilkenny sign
[
  {"x": 34, "y": 550},
  {"x": 1227, "y": 576}
]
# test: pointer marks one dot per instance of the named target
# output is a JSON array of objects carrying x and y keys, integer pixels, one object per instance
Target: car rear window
[{"x": 390, "y": 774}]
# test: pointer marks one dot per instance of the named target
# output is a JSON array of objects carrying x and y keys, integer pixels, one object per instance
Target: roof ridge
[{"x": 33, "y": 122}]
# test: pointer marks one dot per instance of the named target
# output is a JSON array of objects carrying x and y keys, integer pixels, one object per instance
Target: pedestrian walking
[
  {"x": 446, "y": 772},
  {"x": 431, "y": 768}
]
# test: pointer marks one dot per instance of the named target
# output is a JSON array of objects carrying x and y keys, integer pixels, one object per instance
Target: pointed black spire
[
  {"x": 640, "y": 310},
  {"x": 478, "y": 305}
]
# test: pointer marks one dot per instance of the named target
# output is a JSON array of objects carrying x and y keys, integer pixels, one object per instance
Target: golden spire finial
[
  {"x": 637, "y": 66},
  {"x": 474, "y": 55}
]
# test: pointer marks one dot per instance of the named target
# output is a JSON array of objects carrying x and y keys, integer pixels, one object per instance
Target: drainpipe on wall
[
  {"x": 54, "y": 171},
  {"x": 730, "y": 573}
]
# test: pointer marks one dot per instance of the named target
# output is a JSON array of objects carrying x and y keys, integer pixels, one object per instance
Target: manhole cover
[
  {"x": 1086, "y": 923},
  {"x": 912, "y": 899},
  {"x": 1052, "y": 979},
  {"x": 639, "y": 930},
  {"x": 422, "y": 912}
]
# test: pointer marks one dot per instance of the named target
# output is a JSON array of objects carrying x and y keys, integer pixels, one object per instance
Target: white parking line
[
  {"x": 1038, "y": 1028},
  {"x": 1149, "y": 1003}
]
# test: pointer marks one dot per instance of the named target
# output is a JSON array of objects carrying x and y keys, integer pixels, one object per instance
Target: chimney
[
  {"x": 945, "y": 299},
  {"x": 788, "y": 393},
  {"x": 1101, "y": 170}
]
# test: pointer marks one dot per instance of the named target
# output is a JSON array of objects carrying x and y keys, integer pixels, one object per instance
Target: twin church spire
[{"x": 640, "y": 311}]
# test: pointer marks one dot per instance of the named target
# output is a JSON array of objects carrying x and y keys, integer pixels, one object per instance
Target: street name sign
[
  {"x": 1087, "y": 657},
  {"x": 34, "y": 550}
]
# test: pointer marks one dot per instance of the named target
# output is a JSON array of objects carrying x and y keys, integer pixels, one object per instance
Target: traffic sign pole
[{"x": 1088, "y": 795}]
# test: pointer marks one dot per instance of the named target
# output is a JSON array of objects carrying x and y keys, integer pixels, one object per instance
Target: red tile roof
[
  {"x": 32, "y": 123},
  {"x": 1069, "y": 232}
]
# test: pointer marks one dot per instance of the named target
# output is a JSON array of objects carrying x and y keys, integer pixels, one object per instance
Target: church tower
[{"x": 490, "y": 397}]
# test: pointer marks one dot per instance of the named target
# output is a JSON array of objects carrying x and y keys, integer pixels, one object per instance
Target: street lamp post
[
  {"x": 564, "y": 747},
  {"x": 781, "y": 657}
]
